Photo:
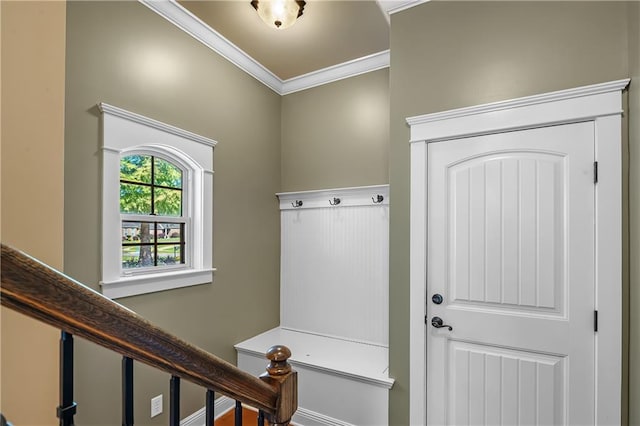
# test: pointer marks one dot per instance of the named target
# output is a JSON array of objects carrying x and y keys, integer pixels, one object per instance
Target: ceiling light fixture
[{"x": 279, "y": 14}]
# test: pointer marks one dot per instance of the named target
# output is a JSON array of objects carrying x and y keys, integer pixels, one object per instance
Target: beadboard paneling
[{"x": 335, "y": 271}]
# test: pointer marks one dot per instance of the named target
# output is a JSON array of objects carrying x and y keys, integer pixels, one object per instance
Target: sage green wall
[
  {"x": 448, "y": 55},
  {"x": 124, "y": 54},
  {"x": 444, "y": 55},
  {"x": 634, "y": 213},
  {"x": 337, "y": 135}
]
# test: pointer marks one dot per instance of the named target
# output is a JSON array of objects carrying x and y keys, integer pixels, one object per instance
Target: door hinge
[
  {"x": 595, "y": 321},
  {"x": 595, "y": 172}
]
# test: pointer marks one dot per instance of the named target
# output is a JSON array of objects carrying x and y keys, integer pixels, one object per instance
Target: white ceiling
[{"x": 334, "y": 39}]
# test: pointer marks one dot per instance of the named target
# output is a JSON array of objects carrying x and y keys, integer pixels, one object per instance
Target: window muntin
[{"x": 150, "y": 187}]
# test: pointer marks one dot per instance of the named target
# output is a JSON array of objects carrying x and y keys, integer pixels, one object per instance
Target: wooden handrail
[{"x": 41, "y": 292}]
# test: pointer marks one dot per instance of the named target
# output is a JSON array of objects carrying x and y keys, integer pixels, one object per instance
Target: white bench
[
  {"x": 334, "y": 299},
  {"x": 340, "y": 382}
]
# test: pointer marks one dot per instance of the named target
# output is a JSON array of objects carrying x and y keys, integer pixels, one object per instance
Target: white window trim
[
  {"x": 124, "y": 132},
  {"x": 600, "y": 104}
]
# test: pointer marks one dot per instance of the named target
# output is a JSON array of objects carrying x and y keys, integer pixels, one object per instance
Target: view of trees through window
[{"x": 151, "y": 187}]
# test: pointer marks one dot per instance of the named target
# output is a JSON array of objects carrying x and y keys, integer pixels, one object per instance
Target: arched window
[
  {"x": 152, "y": 212},
  {"x": 157, "y": 203}
]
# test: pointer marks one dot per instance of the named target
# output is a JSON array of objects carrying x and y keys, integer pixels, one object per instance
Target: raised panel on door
[
  {"x": 511, "y": 249},
  {"x": 497, "y": 386},
  {"x": 505, "y": 209}
]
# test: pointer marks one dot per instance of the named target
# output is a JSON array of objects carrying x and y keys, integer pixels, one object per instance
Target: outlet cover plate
[{"x": 156, "y": 405}]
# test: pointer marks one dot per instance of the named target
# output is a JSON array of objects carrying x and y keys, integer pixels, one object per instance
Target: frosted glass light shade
[{"x": 279, "y": 14}]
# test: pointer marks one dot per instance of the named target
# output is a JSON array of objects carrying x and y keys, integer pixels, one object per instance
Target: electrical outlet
[{"x": 156, "y": 405}]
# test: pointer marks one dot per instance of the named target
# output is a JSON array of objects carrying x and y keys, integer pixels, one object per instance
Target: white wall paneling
[
  {"x": 334, "y": 264},
  {"x": 334, "y": 315}
]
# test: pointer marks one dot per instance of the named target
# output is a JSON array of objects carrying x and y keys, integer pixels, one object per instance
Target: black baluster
[
  {"x": 67, "y": 408},
  {"x": 174, "y": 403},
  {"x": 210, "y": 412},
  {"x": 127, "y": 391},
  {"x": 238, "y": 413},
  {"x": 260, "y": 418}
]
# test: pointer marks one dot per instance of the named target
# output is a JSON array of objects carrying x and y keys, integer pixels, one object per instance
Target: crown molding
[
  {"x": 192, "y": 25},
  {"x": 348, "y": 69},
  {"x": 394, "y": 6},
  {"x": 389, "y": 7}
]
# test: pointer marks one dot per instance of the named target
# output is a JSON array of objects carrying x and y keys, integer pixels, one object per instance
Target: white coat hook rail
[{"x": 372, "y": 196}]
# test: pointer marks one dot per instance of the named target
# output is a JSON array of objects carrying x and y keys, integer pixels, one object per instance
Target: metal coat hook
[
  {"x": 335, "y": 202},
  {"x": 298, "y": 203},
  {"x": 377, "y": 199}
]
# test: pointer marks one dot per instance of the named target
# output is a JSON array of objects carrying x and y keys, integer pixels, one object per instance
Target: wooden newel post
[{"x": 280, "y": 375}]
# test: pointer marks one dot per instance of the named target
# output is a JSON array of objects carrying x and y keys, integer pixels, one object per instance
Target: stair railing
[{"x": 41, "y": 292}]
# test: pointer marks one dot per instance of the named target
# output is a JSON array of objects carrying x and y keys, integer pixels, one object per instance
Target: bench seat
[{"x": 340, "y": 382}]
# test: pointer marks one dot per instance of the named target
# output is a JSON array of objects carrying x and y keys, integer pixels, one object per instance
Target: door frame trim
[{"x": 600, "y": 104}]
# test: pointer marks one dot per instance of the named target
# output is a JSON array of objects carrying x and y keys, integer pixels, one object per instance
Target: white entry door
[{"x": 510, "y": 250}]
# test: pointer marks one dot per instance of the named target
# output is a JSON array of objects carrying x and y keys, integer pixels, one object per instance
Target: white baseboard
[
  {"x": 303, "y": 417},
  {"x": 221, "y": 406}
]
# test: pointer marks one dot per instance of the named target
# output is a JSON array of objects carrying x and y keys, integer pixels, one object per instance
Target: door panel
[
  {"x": 499, "y": 386},
  {"x": 502, "y": 221},
  {"x": 511, "y": 249}
]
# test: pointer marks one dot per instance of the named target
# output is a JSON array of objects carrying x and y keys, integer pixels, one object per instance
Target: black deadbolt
[{"x": 437, "y": 299}]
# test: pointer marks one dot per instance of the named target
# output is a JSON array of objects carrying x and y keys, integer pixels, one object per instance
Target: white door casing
[
  {"x": 511, "y": 239},
  {"x": 477, "y": 308}
]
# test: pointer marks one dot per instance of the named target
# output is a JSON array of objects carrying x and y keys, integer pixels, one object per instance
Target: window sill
[{"x": 149, "y": 283}]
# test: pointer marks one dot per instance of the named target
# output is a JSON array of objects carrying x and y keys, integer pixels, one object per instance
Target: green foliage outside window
[
  {"x": 137, "y": 191},
  {"x": 150, "y": 186}
]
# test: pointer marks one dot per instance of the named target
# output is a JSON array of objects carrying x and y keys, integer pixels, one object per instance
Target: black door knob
[{"x": 438, "y": 323}]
